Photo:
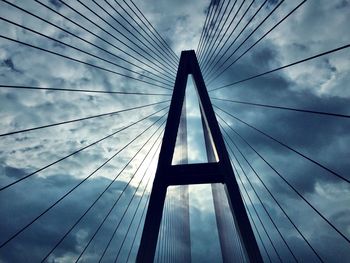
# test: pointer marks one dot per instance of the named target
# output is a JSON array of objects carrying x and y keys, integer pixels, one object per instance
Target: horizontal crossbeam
[{"x": 198, "y": 173}]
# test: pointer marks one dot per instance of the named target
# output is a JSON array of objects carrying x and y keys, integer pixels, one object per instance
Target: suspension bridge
[{"x": 97, "y": 113}]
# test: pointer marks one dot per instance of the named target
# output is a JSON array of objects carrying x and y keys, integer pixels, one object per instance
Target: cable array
[
  {"x": 116, "y": 39},
  {"x": 99, "y": 47},
  {"x": 129, "y": 48},
  {"x": 116, "y": 202},
  {"x": 105, "y": 190},
  {"x": 213, "y": 41},
  {"x": 242, "y": 26},
  {"x": 82, "y": 90},
  {"x": 234, "y": 29},
  {"x": 283, "y": 67},
  {"x": 18, "y": 232}
]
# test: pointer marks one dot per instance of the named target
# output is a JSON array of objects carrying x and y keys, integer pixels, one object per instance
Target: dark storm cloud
[
  {"x": 56, "y": 3},
  {"x": 19, "y": 207},
  {"x": 9, "y": 63},
  {"x": 14, "y": 172},
  {"x": 215, "y": 2},
  {"x": 343, "y": 4},
  {"x": 322, "y": 138},
  {"x": 273, "y": 2}
]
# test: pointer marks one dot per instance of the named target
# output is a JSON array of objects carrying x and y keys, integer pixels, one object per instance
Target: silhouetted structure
[{"x": 219, "y": 171}]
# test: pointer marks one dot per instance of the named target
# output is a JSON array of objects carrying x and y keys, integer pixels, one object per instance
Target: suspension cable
[
  {"x": 204, "y": 25},
  {"x": 261, "y": 202},
  {"x": 92, "y": 205},
  {"x": 90, "y": 32},
  {"x": 148, "y": 183},
  {"x": 212, "y": 29},
  {"x": 226, "y": 30},
  {"x": 147, "y": 168},
  {"x": 82, "y": 119},
  {"x": 268, "y": 32},
  {"x": 286, "y": 146},
  {"x": 211, "y": 13},
  {"x": 83, "y": 90},
  {"x": 307, "y": 242},
  {"x": 166, "y": 78},
  {"x": 156, "y": 41},
  {"x": 155, "y": 30},
  {"x": 247, "y": 207},
  {"x": 81, "y": 61},
  {"x": 216, "y": 33},
  {"x": 250, "y": 34},
  {"x": 132, "y": 219},
  {"x": 78, "y": 151},
  {"x": 283, "y": 108},
  {"x": 289, "y": 184},
  {"x": 238, "y": 35},
  {"x": 285, "y": 66},
  {"x": 169, "y": 84},
  {"x": 101, "y": 28},
  {"x": 256, "y": 212},
  {"x": 213, "y": 44},
  {"x": 250, "y": 215},
  {"x": 119, "y": 197},
  {"x": 138, "y": 227},
  {"x": 166, "y": 65},
  {"x": 75, "y": 187},
  {"x": 155, "y": 50},
  {"x": 230, "y": 35}
]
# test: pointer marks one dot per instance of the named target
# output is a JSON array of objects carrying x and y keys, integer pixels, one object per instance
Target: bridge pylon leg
[{"x": 219, "y": 171}]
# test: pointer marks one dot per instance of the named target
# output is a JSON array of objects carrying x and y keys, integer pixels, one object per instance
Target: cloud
[
  {"x": 320, "y": 84},
  {"x": 44, "y": 233}
]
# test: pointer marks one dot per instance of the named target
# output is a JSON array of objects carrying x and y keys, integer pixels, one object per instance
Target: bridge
[{"x": 118, "y": 146}]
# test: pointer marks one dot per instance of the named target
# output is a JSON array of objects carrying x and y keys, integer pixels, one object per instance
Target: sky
[{"x": 321, "y": 84}]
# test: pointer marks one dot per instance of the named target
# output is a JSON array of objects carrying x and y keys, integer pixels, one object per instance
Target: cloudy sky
[{"x": 106, "y": 51}]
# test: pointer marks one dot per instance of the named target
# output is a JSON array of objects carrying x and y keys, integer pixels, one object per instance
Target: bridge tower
[{"x": 217, "y": 171}]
